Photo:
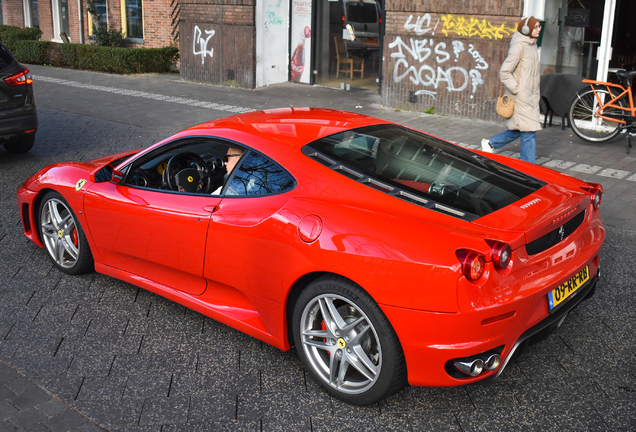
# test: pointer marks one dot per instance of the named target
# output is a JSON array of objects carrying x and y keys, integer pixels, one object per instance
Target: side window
[{"x": 258, "y": 175}]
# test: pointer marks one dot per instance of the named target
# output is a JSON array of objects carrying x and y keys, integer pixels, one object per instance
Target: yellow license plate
[{"x": 565, "y": 290}]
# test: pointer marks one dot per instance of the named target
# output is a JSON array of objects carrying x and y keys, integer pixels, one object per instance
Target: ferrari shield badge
[{"x": 79, "y": 185}]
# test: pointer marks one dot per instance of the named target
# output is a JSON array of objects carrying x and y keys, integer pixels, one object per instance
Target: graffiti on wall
[
  {"x": 428, "y": 63},
  {"x": 473, "y": 27},
  {"x": 459, "y": 26},
  {"x": 200, "y": 42}
]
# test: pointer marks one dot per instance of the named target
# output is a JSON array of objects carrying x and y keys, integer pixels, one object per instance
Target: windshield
[{"x": 423, "y": 169}]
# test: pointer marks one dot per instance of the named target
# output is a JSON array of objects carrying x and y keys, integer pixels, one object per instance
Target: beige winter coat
[{"x": 523, "y": 83}]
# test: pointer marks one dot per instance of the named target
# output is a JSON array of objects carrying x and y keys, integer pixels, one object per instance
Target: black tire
[
  {"x": 23, "y": 145},
  {"x": 63, "y": 236},
  {"x": 371, "y": 362},
  {"x": 581, "y": 113}
]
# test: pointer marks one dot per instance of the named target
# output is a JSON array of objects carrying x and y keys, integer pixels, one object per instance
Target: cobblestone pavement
[{"x": 90, "y": 352}]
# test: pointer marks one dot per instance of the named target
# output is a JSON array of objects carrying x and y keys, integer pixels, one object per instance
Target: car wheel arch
[{"x": 298, "y": 287}]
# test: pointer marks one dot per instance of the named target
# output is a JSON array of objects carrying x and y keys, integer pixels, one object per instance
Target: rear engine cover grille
[{"x": 555, "y": 236}]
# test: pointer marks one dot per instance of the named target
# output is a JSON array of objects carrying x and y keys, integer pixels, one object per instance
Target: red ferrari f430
[{"x": 385, "y": 255}]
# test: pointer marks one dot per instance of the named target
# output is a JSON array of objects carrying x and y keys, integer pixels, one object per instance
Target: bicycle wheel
[{"x": 583, "y": 122}]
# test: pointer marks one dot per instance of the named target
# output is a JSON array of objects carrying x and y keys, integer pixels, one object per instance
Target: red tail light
[
  {"x": 501, "y": 254},
  {"x": 21, "y": 78},
  {"x": 343, "y": 21},
  {"x": 596, "y": 190},
  {"x": 380, "y": 18},
  {"x": 473, "y": 263}
]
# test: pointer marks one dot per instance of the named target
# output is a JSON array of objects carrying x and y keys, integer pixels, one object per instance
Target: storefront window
[{"x": 571, "y": 36}]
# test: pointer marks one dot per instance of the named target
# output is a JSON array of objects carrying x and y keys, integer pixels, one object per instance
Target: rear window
[
  {"x": 423, "y": 170},
  {"x": 5, "y": 58},
  {"x": 365, "y": 13}
]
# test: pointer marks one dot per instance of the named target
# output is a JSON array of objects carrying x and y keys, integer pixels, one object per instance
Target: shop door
[
  {"x": 348, "y": 44},
  {"x": 577, "y": 37}
]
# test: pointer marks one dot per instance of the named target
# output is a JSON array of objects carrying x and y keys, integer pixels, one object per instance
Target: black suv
[{"x": 18, "y": 116}]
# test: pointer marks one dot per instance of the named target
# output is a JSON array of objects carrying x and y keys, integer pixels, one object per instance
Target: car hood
[{"x": 538, "y": 213}]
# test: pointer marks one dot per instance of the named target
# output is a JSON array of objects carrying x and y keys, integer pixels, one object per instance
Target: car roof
[{"x": 283, "y": 127}]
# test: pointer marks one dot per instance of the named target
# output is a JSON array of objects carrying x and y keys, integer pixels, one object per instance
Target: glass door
[
  {"x": 348, "y": 44},
  {"x": 572, "y": 37}
]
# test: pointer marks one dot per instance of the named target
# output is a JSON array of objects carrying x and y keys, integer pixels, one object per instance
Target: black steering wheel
[{"x": 188, "y": 172}]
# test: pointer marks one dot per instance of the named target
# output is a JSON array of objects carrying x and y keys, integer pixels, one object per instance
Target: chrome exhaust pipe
[
  {"x": 492, "y": 362},
  {"x": 470, "y": 368}
]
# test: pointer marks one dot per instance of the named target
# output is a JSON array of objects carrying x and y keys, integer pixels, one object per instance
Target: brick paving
[{"x": 93, "y": 353}]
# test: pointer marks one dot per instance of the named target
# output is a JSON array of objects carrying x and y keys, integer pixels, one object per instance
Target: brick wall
[
  {"x": 218, "y": 42},
  {"x": 157, "y": 20},
  {"x": 13, "y": 13},
  {"x": 447, "y": 54}
]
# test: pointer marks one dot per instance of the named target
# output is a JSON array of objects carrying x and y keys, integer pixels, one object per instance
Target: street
[{"x": 109, "y": 355}]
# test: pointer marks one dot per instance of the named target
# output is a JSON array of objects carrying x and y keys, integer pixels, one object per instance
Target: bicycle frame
[{"x": 611, "y": 102}]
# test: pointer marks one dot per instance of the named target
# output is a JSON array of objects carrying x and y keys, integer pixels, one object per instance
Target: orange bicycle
[{"x": 601, "y": 112}]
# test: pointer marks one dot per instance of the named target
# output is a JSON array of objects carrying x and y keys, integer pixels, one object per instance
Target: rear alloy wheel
[
  {"x": 63, "y": 236},
  {"x": 346, "y": 343}
]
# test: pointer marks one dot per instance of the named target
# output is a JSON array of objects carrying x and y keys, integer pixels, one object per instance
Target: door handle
[{"x": 211, "y": 208}]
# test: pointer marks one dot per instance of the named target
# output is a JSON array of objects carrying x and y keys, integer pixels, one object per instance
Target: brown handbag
[
  {"x": 505, "y": 105},
  {"x": 505, "y": 102}
]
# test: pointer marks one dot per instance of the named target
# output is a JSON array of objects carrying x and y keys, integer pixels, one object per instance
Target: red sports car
[{"x": 385, "y": 255}]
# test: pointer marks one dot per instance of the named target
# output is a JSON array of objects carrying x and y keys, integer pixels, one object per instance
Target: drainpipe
[{"x": 81, "y": 21}]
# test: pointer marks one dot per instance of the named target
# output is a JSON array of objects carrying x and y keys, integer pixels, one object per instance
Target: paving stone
[
  {"x": 418, "y": 399},
  {"x": 302, "y": 424},
  {"x": 111, "y": 412},
  {"x": 213, "y": 361},
  {"x": 379, "y": 423},
  {"x": 29, "y": 398},
  {"x": 282, "y": 380},
  {"x": 556, "y": 390},
  {"x": 7, "y": 410},
  {"x": 91, "y": 365},
  {"x": 147, "y": 385},
  {"x": 234, "y": 382},
  {"x": 64, "y": 421},
  {"x": 434, "y": 421},
  {"x": 577, "y": 417},
  {"x": 222, "y": 426},
  {"x": 96, "y": 388},
  {"x": 513, "y": 419},
  {"x": 52, "y": 407},
  {"x": 167, "y": 410},
  {"x": 159, "y": 362},
  {"x": 212, "y": 408},
  {"x": 24, "y": 419},
  {"x": 497, "y": 393},
  {"x": 282, "y": 405}
]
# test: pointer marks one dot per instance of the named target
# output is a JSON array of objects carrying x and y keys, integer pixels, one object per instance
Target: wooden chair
[{"x": 346, "y": 64}]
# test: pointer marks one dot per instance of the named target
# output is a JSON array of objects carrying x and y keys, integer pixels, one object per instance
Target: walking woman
[{"x": 520, "y": 75}]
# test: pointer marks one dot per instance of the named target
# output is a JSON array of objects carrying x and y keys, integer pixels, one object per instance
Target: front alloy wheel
[
  {"x": 346, "y": 343},
  {"x": 63, "y": 236}
]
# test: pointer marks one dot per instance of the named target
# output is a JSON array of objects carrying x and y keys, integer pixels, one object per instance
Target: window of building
[
  {"x": 60, "y": 19},
  {"x": 133, "y": 18},
  {"x": 31, "y": 15},
  {"x": 102, "y": 16}
]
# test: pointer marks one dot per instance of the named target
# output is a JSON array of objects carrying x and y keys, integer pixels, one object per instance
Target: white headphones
[{"x": 525, "y": 30}]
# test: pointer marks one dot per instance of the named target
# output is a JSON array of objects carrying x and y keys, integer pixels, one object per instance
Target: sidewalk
[{"x": 157, "y": 97}]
